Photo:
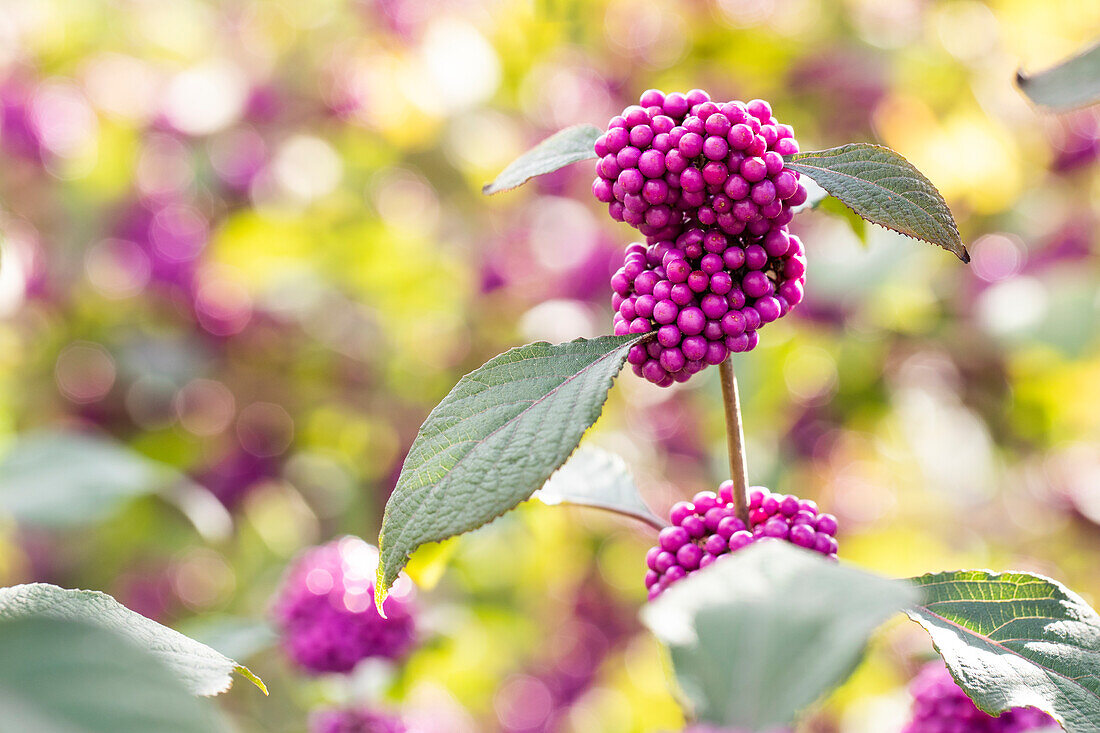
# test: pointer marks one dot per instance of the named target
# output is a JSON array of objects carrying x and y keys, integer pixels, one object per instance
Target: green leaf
[
  {"x": 884, "y": 188},
  {"x": 761, "y": 634},
  {"x": 66, "y": 676},
  {"x": 64, "y": 478},
  {"x": 202, "y": 670},
  {"x": 1070, "y": 84},
  {"x": 600, "y": 479},
  {"x": 557, "y": 151},
  {"x": 494, "y": 440},
  {"x": 1016, "y": 640}
]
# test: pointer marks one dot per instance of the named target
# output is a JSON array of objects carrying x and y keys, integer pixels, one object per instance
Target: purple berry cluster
[
  {"x": 706, "y": 528},
  {"x": 705, "y": 293},
  {"x": 354, "y": 720},
  {"x": 941, "y": 706},
  {"x": 681, "y": 157},
  {"x": 326, "y": 614}
]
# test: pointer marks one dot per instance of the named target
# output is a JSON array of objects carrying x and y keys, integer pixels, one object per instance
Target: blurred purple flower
[
  {"x": 941, "y": 705},
  {"x": 325, "y": 609},
  {"x": 233, "y": 477},
  {"x": 354, "y": 720},
  {"x": 18, "y": 131}
]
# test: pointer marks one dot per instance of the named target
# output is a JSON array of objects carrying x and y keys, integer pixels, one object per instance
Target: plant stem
[
  {"x": 651, "y": 519},
  {"x": 735, "y": 440}
]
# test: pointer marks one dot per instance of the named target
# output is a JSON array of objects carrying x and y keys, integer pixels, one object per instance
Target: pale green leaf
[
  {"x": 202, "y": 670},
  {"x": 66, "y": 676},
  {"x": 66, "y": 478},
  {"x": 597, "y": 478},
  {"x": 557, "y": 151},
  {"x": 767, "y": 630},
  {"x": 1072, "y": 83}
]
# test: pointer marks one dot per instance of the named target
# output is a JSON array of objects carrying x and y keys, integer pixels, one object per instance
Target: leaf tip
[
  {"x": 381, "y": 588},
  {"x": 964, "y": 256},
  {"x": 249, "y": 675}
]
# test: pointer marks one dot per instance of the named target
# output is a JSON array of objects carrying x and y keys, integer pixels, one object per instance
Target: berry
[
  {"x": 354, "y": 720},
  {"x": 326, "y": 614},
  {"x": 941, "y": 706},
  {"x": 709, "y": 163},
  {"x": 704, "y": 293},
  {"x": 707, "y": 529}
]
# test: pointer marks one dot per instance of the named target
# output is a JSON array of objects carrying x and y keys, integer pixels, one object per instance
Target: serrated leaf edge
[
  {"x": 796, "y": 157},
  {"x": 382, "y": 583}
]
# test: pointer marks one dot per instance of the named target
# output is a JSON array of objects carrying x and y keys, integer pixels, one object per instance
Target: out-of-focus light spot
[
  {"x": 85, "y": 372},
  {"x": 122, "y": 86},
  {"x": 182, "y": 27},
  {"x": 117, "y": 268},
  {"x": 16, "y": 263},
  {"x": 746, "y": 13},
  {"x": 307, "y": 168},
  {"x": 164, "y": 166},
  {"x": 179, "y": 232},
  {"x": 265, "y": 429},
  {"x": 222, "y": 304},
  {"x": 565, "y": 94},
  {"x": 1012, "y": 305},
  {"x": 482, "y": 142},
  {"x": 319, "y": 581},
  {"x": 205, "y": 407},
  {"x": 652, "y": 32},
  {"x": 861, "y": 494},
  {"x": 149, "y": 402},
  {"x": 430, "y": 708},
  {"x": 65, "y": 121},
  {"x": 557, "y": 321},
  {"x": 203, "y": 579},
  {"x": 888, "y": 25},
  {"x": 461, "y": 66},
  {"x": 874, "y": 714},
  {"x": 313, "y": 14},
  {"x": 936, "y": 423},
  {"x": 522, "y": 703},
  {"x": 996, "y": 257},
  {"x": 281, "y": 518},
  {"x": 357, "y": 600},
  {"x": 810, "y": 373},
  {"x": 326, "y": 482},
  {"x": 206, "y": 98},
  {"x": 10, "y": 46},
  {"x": 406, "y": 200},
  {"x": 967, "y": 28},
  {"x": 563, "y": 233}
]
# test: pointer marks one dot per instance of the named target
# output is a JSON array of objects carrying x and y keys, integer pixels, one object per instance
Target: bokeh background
[{"x": 246, "y": 239}]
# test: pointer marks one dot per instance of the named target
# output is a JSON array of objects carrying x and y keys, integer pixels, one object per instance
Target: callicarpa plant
[{"x": 741, "y": 580}]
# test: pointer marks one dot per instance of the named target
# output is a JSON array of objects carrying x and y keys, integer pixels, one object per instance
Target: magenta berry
[
  {"x": 704, "y": 293},
  {"x": 707, "y": 528},
  {"x": 354, "y": 720},
  {"x": 326, "y": 614},
  {"x": 941, "y": 706},
  {"x": 710, "y": 163}
]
